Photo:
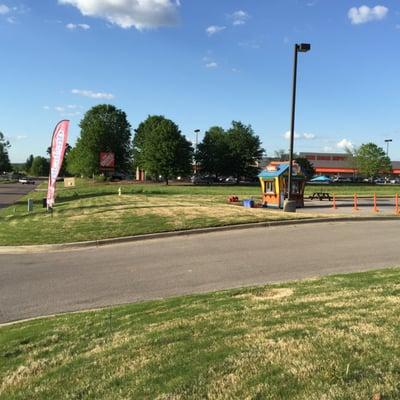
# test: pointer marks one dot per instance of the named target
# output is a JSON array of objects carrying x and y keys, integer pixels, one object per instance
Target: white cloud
[
  {"x": 140, "y": 14},
  {"x": 13, "y": 12},
  {"x": 71, "y": 114},
  {"x": 15, "y": 138},
  {"x": 66, "y": 111},
  {"x": 286, "y": 135},
  {"x": 72, "y": 27},
  {"x": 93, "y": 95},
  {"x": 212, "y": 64},
  {"x": 4, "y": 9},
  {"x": 398, "y": 26},
  {"x": 345, "y": 144},
  {"x": 328, "y": 149},
  {"x": 300, "y": 136},
  {"x": 239, "y": 17},
  {"x": 365, "y": 14},
  {"x": 213, "y": 29}
]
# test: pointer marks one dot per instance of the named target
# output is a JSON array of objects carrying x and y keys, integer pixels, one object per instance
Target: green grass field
[
  {"x": 93, "y": 211},
  {"x": 333, "y": 338}
]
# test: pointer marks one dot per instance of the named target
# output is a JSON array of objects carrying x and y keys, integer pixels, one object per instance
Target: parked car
[
  {"x": 368, "y": 180},
  {"x": 26, "y": 180},
  {"x": 324, "y": 180},
  {"x": 230, "y": 179},
  {"x": 199, "y": 180},
  {"x": 121, "y": 176},
  {"x": 340, "y": 179}
]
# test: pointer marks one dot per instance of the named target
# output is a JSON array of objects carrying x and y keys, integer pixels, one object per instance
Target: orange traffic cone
[
  {"x": 355, "y": 208},
  {"x": 376, "y": 209}
]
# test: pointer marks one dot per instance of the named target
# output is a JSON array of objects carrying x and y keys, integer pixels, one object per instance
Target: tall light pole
[
  {"x": 290, "y": 205},
  {"x": 387, "y": 141},
  {"x": 196, "y": 131}
]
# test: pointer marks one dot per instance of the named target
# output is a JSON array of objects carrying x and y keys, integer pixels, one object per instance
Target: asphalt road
[
  {"x": 42, "y": 284},
  {"x": 11, "y": 192}
]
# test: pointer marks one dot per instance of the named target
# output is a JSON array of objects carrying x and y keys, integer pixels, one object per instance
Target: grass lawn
[
  {"x": 332, "y": 338},
  {"x": 93, "y": 211}
]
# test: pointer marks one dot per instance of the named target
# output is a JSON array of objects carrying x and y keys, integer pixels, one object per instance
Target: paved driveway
[
  {"x": 42, "y": 284},
  {"x": 11, "y": 192}
]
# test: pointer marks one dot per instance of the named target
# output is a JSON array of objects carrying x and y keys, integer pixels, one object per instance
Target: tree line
[
  {"x": 159, "y": 147},
  {"x": 5, "y": 165}
]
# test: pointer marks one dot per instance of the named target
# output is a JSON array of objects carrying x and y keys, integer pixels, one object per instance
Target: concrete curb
[{"x": 162, "y": 235}]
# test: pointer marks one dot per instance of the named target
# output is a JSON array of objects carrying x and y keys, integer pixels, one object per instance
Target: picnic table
[{"x": 321, "y": 196}]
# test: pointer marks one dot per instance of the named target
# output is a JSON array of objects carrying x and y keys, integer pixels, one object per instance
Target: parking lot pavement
[
  {"x": 385, "y": 206},
  {"x": 12, "y": 192}
]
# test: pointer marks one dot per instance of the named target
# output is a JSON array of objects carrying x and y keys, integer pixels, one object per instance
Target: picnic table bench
[{"x": 321, "y": 196}]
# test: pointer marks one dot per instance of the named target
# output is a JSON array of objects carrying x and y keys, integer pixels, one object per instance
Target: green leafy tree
[
  {"x": 5, "y": 165},
  {"x": 213, "y": 152},
  {"x": 371, "y": 160},
  {"x": 245, "y": 150},
  {"x": 28, "y": 164},
  {"x": 40, "y": 166},
  {"x": 307, "y": 168},
  {"x": 141, "y": 132},
  {"x": 164, "y": 150},
  {"x": 281, "y": 155},
  {"x": 104, "y": 128}
]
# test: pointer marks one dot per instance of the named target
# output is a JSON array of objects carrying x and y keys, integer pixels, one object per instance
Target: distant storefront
[{"x": 337, "y": 164}]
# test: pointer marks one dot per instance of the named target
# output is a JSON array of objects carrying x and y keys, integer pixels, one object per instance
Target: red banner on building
[
  {"x": 107, "y": 161},
  {"x": 58, "y": 144}
]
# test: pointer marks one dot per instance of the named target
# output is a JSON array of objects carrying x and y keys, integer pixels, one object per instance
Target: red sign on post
[{"x": 107, "y": 161}]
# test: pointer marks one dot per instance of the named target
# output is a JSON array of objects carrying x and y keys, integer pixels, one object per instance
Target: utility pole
[
  {"x": 290, "y": 205},
  {"x": 387, "y": 141}
]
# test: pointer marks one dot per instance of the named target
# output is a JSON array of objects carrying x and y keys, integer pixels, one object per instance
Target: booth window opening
[{"x": 270, "y": 187}]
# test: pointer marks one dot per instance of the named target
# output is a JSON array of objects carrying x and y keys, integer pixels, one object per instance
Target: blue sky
[{"x": 203, "y": 63}]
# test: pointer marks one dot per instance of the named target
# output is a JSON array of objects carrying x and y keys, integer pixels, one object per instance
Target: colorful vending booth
[{"x": 274, "y": 185}]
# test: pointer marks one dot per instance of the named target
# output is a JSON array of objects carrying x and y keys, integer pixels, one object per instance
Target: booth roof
[{"x": 280, "y": 169}]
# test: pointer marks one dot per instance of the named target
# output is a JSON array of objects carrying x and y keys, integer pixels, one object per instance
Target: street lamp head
[
  {"x": 388, "y": 140},
  {"x": 196, "y": 130},
  {"x": 304, "y": 47}
]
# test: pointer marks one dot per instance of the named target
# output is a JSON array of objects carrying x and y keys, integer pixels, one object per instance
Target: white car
[{"x": 26, "y": 181}]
